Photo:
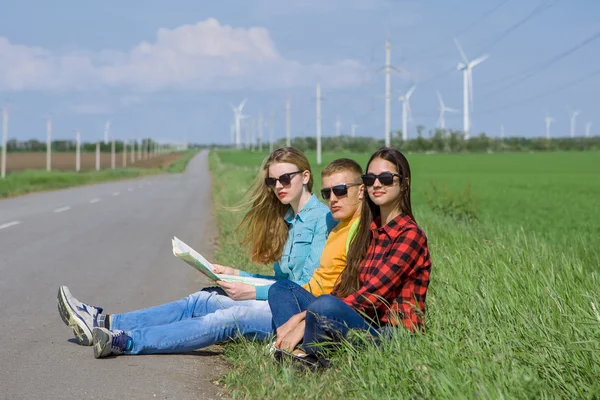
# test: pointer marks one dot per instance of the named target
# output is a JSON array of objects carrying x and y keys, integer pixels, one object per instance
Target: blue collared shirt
[{"x": 308, "y": 231}]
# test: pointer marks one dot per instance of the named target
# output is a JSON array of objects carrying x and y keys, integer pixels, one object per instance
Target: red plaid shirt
[{"x": 394, "y": 275}]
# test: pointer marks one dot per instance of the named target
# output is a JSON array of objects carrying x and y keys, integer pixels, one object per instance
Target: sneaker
[
  {"x": 110, "y": 343},
  {"x": 77, "y": 315}
]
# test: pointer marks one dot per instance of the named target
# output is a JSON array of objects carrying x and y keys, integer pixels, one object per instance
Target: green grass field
[
  {"x": 29, "y": 181},
  {"x": 513, "y": 239}
]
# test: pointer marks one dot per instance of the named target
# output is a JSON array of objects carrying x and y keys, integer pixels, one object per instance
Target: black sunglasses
[
  {"x": 338, "y": 190},
  {"x": 386, "y": 178},
  {"x": 284, "y": 179}
]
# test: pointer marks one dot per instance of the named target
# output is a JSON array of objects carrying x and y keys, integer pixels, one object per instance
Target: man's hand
[
  {"x": 291, "y": 340},
  {"x": 238, "y": 290},
  {"x": 221, "y": 269},
  {"x": 289, "y": 326}
]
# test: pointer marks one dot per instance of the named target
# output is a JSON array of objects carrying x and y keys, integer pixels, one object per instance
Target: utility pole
[
  {"x": 98, "y": 156},
  {"x": 318, "y": 124},
  {"x": 48, "y": 144},
  {"x": 288, "y": 123},
  {"x": 132, "y": 155},
  {"x": 4, "y": 138},
  {"x": 112, "y": 154},
  {"x": 388, "y": 91}
]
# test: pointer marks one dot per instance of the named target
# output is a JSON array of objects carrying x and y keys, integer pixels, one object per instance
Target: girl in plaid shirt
[{"x": 385, "y": 281}]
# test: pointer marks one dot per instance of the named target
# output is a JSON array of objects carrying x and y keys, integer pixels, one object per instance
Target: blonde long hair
[{"x": 264, "y": 228}]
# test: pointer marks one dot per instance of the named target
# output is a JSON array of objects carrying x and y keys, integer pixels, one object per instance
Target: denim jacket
[{"x": 308, "y": 231}]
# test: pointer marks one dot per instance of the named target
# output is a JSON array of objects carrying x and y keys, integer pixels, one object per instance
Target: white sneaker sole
[{"x": 80, "y": 329}]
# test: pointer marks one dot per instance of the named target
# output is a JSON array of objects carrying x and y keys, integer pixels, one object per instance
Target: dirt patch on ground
[{"x": 66, "y": 161}]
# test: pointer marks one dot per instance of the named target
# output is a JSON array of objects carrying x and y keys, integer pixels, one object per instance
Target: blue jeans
[
  {"x": 328, "y": 319},
  {"x": 198, "y": 320},
  {"x": 287, "y": 299}
]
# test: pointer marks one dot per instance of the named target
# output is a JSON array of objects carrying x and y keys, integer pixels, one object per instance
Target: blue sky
[{"x": 169, "y": 71}]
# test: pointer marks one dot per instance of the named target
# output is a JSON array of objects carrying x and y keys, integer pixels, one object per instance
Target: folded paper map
[{"x": 195, "y": 259}]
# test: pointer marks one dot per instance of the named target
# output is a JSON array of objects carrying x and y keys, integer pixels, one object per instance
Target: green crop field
[{"x": 514, "y": 300}]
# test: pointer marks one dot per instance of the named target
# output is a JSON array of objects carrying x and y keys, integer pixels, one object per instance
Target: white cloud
[{"x": 206, "y": 55}]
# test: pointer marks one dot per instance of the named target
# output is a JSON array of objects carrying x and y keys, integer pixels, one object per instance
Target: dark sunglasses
[
  {"x": 338, "y": 190},
  {"x": 284, "y": 179},
  {"x": 386, "y": 178}
]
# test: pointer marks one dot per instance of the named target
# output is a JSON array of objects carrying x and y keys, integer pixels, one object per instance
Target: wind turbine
[
  {"x": 549, "y": 120},
  {"x": 406, "y": 113},
  {"x": 338, "y": 126},
  {"x": 443, "y": 109},
  {"x": 467, "y": 68},
  {"x": 574, "y": 115},
  {"x": 353, "y": 128},
  {"x": 588, "y": 128},
  {"x": 106, "y": 131},
  {"x": 238, "y": 116}
]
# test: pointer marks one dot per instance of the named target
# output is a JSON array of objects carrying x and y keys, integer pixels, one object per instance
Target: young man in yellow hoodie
[{"x": 343, "y": 191}]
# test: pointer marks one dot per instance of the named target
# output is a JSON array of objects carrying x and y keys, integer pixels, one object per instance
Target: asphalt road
[{"x": 111, "y": 244}]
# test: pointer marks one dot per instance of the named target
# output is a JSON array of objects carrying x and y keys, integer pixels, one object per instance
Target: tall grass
[{"x": 510, "y": 311}]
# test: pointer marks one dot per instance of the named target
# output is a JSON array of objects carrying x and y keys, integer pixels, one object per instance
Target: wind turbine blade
[
  {"x": 478, "y": 61},
  {"x": 440, "y": 99},
  {"x": 242, "y": 104},
  {"x": 454, "y": 110},
  {"x": 462, "y": 53},
  {"x": 410, "y": 92}
]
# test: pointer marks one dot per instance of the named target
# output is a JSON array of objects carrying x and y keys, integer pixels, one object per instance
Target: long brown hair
[
  {"x": 264, "y": 229},
  {"x": 349, "y": 282}
]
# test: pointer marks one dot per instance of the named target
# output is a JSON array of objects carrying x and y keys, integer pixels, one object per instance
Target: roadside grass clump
[
  {"x": 511, "y": 314},
  {"x": 460, "y": 206}
]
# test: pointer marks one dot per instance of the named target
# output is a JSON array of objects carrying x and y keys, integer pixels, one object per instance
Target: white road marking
[
  {"x": 116, "y": 193},
  {"x": 62, "y": 209},
  {"x": 9, "y": 224},
  {"x": 92, "y": 201}
]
